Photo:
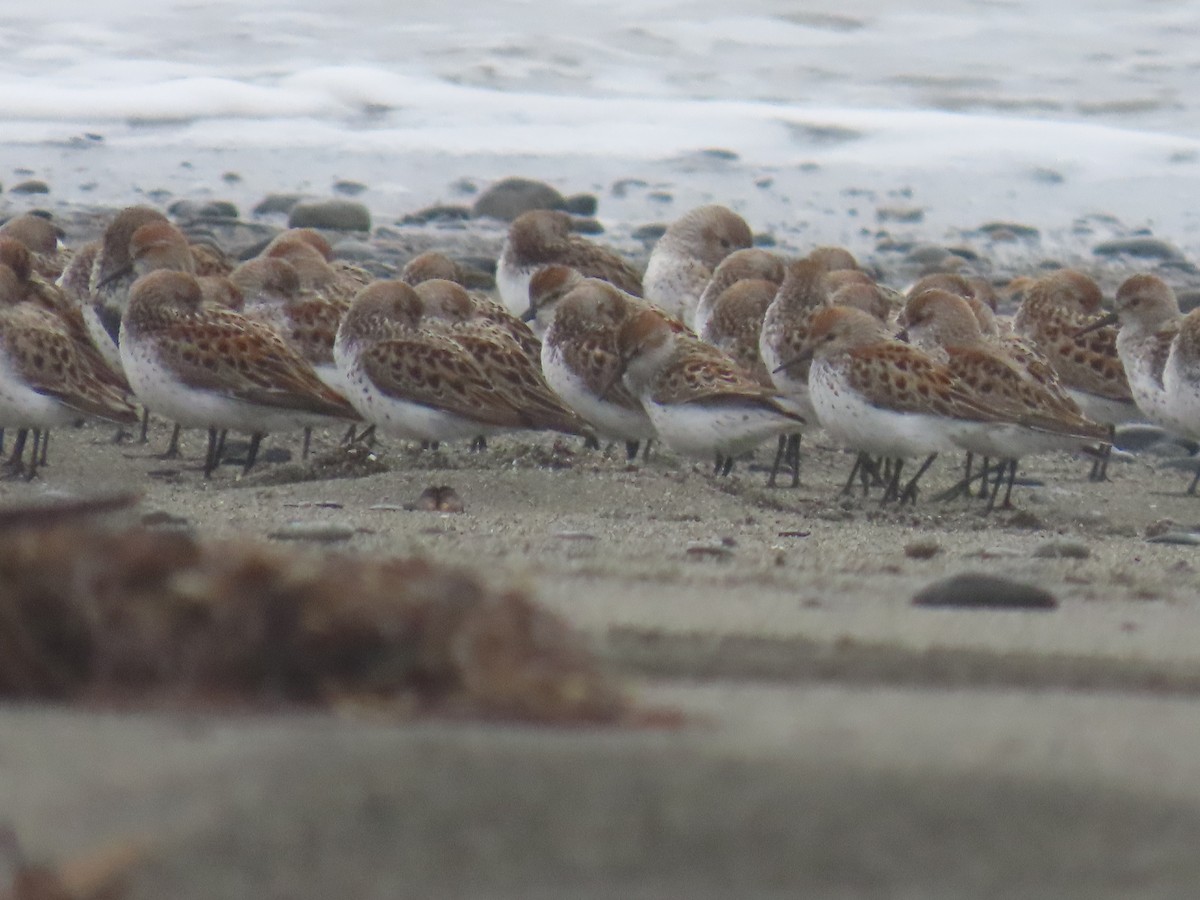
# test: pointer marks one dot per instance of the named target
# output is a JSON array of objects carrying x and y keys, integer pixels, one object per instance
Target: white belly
[
  {"x": 700, "y": 429},
  {"x": 849, "y": 419},
  {"x": 611, "y": 420}
]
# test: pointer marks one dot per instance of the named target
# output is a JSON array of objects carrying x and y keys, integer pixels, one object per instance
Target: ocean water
[{"x": 825, "y": 113}]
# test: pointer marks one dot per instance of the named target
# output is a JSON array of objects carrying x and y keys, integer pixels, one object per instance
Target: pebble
[
  {"x": 973, "y": 590},
  {"x": 1013, "y": 228},
  {"x": 581, "y": 204},
  {"x": 1062, "y": 550},
  {"x": 508, "y": 198},
  {"x": 349, "y": 188},
  {"x": 277, "y": 204},
  {"x": 623, "y": 187},
  {"x": 1186, "y": 538},
  {"x": 1140, "y": 247},
  {"x": 649, "y": 233},
  {"x": 213, "y": 209},
  {"x": 319, "y": 532},
  {"x": 900, "y": 214},
  {"x": 439, "y": 213},
  {"x": 928, "y": 254},
  {"x": 922, "y": 549},
  {"x": 33, "y": 186},
  {"x": 336, "y": 215},
  {"x": 709, "y": 550}
]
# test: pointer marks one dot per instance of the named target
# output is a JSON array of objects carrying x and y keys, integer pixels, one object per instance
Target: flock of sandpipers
[{"x": 717, "y": 347}]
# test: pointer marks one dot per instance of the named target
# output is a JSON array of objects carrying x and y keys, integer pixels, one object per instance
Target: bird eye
[{"x": 829, "y": 337}]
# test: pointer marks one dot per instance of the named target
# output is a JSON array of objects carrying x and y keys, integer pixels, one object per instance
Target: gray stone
[
  {"x": 649, "y": 233},
  {"x": 1140, "y": 247},
  {"x": 973, "y": 590},
  {"x": 507, "y": 199},
  {"x": 336, "y": 215},
  {"x": 1184, "y": 538},
  {"x": 1013, "y": 228},
  {"x": 349, "y": 188},
  {"x": 437, "y": 213},
  {"x": 581, "y": 204},
  {"x": 277, "y": 204},
  {"x": 33, "y": 186}
]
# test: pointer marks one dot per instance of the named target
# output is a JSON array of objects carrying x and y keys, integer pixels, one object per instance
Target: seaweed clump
[{"x": 89, "y": 613}]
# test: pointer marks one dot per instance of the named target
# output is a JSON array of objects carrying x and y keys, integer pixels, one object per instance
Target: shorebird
[
  {"x": 877, "y": 395},
  {"x": 543, "y": 237},
  {"x": 47, "y": 376},
  {"x": 1053, "y": 315},
  {"x": 1037, "y": 418},
  {"x": 684, "y": 258},
  {"x": 581, "y": 360},
  {"x": 210, "y": 367},
  {"x": 701, "y": 402}
]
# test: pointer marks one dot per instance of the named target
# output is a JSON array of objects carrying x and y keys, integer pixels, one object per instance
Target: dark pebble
[
  {"x": 507, "y": 199},
  {"x": 764, "y": 240},
  {"x": 336, "y": 215},
  {"x": 928, "y": 254},
  {"x": 1189, "y": 299},
  {"x": 439, "y": 213},
  {"x": 1047, "y": 176},
  {"x": 623, "y": 187},
  {"x": 581, "y": 204},
  {"x": 719, "y": 153},
  {"x": 349, "y": 188},
  {"x": 922, "y": 549},
  {"x": 587, "y": 226},
  {"x": 277, "y": 204},
  {"x": 464, "y": 186},
  {"x": 213, "y": 209},
  {"x": 231, "y": 178},
  {"x": 1140, "y": 247},
  {"x": 33, "y": 186},
  {"x": 1013, "y": 228},
  {"x": 660, "y": 197},
  {"x": 1062, "y": 550},
  {"x": 899, "y": 214},
  {"x": 649, "y": 233},
  {"x": 972, "y": 590},
  {"x": 1183, "y": 538}
]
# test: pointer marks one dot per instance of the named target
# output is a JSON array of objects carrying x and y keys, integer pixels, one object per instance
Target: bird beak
[
  {"x": 115, "y": 274},
  {"x": 1110, "y": 319},
  {"x": 903, "y": 335},
  {"x": 529, "y": 315},
  {"x": 804, "y": 357}
]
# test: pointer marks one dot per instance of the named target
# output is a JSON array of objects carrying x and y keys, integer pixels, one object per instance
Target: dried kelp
[{"x": 135, "y": 614}]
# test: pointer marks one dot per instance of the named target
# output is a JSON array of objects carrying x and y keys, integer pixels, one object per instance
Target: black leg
[
  {"x": 477, "y": 446},
  {"x": 211, "y": 457},
  {"x": 14, "y": 463},
  {"x": 983, "y": 480},
  {"x": 307, "y": 442},
  {"x": 646, "y": 450},
  {"x": 31, "y": 472},
  {"x": 892, "y": 492},
  {"x": 728, "y": 467},
  {"x": 172, "y": 451},
  {"x": 779, "y": 453},
  {"x": 793, "y": 456},
  {"x": 909, "y": 494},
  {"x": 849, "y": 485},
  {"x": 45, "y": 448},
  {"x": 631, "y": 450},
  {"x": 1192, "y": 488},
  {"x": 144, "y": 436},
  {"x": 252, "y": 451},
  {"x": 1012, "y": 477},
  {"x": 1100, "y": 464}
]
